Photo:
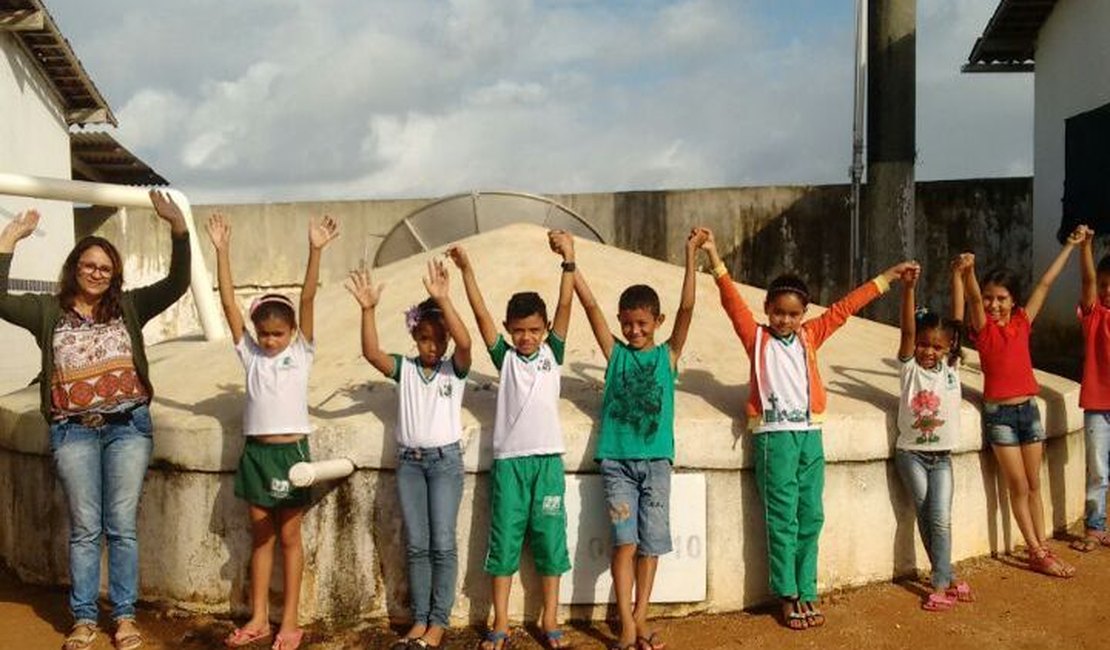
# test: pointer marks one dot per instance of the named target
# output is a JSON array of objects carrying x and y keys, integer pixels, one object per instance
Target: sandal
[
  {"x": 939, "y": 602},
  {"x": 129, "y": 641},
  {"x": 419, "y": 642},
  {"x": 81, "y": 637},
  {"x": 792, "y": 615},
  {"x": 814, "y": 617},
  {"x": 1043, "y": 561},
  {"x": 1091, "y": 541},
  {"x": 493, "y": 638},
  {"x": 649, "y": 642},
  {"x": 241, "y": 637},
  {"x": 553, "y": 640},
  {"x": 288, "y": 640},
  {"x": 960, "y": 591}
]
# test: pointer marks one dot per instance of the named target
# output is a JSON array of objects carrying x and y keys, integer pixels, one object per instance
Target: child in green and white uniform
[{"x": 527, "y": 482}]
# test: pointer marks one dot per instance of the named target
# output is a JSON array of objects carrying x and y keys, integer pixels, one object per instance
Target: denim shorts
[
  {"x": 1009, "y": 425},
  {"x": 638, "y": 495}
]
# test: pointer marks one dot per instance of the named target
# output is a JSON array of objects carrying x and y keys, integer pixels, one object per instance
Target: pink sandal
[
  {"x": 242, "y": 637},
  {"x": 288, "y": 640},
  {"x": 938, "y": 602},
  {"x": 960, "y": 591}
]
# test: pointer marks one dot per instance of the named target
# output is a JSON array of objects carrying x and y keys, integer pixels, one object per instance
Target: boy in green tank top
[{"x": 636, "y": 444}]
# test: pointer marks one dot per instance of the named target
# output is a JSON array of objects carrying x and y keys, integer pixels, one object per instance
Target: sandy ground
[{"x": 1014, "y": 608}]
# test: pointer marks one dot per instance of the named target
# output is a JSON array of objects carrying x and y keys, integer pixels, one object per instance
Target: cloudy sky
[{"x": 285, "y": 99}]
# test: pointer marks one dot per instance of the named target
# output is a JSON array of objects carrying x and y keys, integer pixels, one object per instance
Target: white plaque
[{"x": 681, "y": 574}]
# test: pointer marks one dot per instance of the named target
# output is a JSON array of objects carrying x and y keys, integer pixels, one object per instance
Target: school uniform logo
[
  {"x": 552, "y": 505},
  {"x": 544, "y": 365},
  {"x": 446, "y": 389},
  {"x": 280, "y": 488}
]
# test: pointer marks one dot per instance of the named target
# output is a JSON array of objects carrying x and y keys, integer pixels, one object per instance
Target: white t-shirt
[
  {"x": 527, "y": 420},
  {"x": 783, "y": 383},
  {"x": 277, "y": 387},
  {"x": 929, "y": 407},
  {"x": 429, "y": 408}
]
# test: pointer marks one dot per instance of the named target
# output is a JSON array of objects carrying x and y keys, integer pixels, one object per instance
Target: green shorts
[
  {"x": 526, "y": 494},
  {"x": 263, "y": 475}
]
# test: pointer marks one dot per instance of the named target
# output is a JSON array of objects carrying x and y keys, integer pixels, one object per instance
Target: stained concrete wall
[
  {"x": 194, "y": 534},
  {"x": 762, "y": 232}
]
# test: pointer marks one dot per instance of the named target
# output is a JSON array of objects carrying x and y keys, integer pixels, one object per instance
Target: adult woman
[{"x": 94, "y": 389}]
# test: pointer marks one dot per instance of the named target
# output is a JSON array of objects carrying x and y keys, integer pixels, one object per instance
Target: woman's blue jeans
[
  {"x": 928, "y": 477},
  {"x": 101, "y": 470},
  {"x": 430, "y": 484}
]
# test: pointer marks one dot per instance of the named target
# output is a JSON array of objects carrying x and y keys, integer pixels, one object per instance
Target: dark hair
[
  {"x": 274, "y": 305},
  {"x": 639, "y": 296},
  {"x": 1006, "y": 279},
  {"x": 788, "y": 283},
  {"x": 108, "y": 308},
  {"x": 524, "y": 304},
  {"x": 1103, "y": 265},
  {"x": 927, "y": 320},
  {"x": 428, "y": 310}
]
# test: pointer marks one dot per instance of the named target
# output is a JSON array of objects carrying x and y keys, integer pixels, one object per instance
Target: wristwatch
[{"x": 568, "y": 267}]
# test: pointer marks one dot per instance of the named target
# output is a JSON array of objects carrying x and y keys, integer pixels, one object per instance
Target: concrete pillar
[{"x": 887, "y": 221}]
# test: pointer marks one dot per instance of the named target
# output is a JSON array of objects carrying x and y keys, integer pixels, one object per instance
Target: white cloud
[{"x": 281, "y": 99}]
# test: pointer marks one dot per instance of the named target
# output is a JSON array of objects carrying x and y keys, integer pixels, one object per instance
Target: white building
[
  {"x": 1065, "y": 45},
  {"x": 44, "y": 92}
]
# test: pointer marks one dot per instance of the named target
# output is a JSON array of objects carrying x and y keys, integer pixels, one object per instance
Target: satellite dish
[{"x": 454, "y": 217}]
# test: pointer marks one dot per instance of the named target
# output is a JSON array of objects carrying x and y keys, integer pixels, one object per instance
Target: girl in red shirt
[{"x": 1000, "y": 329}]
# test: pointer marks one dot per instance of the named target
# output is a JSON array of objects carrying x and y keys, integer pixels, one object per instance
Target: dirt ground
[{"x": 1014, "y": 608}]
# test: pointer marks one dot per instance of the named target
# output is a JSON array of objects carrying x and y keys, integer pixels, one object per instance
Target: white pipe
[
  {"x": 130, "y": 197},
  {"x": 856, "y": 268},
  {"x": 305, "y": 474}
]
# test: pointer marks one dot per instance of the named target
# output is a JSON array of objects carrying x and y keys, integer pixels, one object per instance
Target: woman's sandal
[
  {"x": 1092, "y": 540},
  {"x": 81, "y": 637},
  {"x": 650, "y": 643},
  {"x": 1043, "y": 561},
  {"x": 793, "y": 617},
  {"x": 241, "y": 637},
  {"x": 939, "y": 602},
  {"x": 960, "y": 591}
]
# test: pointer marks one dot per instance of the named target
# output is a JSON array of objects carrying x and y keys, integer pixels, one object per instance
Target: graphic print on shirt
[
  {"x": 639, "y": 400},
  {"x": 925, "y": 407},
  {"x": 777, "y": 414}
]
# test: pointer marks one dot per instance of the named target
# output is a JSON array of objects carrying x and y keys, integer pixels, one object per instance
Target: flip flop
[
  {"x": 553, "y": 640},
  {"x": 938, "y": 602},
  {"x": 130, "y": 641},
  {"x": 814, "y": 617},
  {"x": 960, "y": 591},
  {"x": 649, "y": 642},
  {"x": 494, "y": 637},
  {"x": 288, "y": 640},
  {"x": 1092, "y": 540},
  {"x": 241, "y": 637}
]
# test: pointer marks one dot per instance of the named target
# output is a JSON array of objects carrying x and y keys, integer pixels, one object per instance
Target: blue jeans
[
  {"x": 928, "y": 477},
  {"x": 430, "y": 484},
  {"x": 638, "y": 494},
  {"x": 101, "y": 470},
  {"x": 1097, "y": 427}
]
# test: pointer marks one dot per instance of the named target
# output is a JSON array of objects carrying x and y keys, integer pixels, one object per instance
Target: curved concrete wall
[{"x": 194, "y": 535}]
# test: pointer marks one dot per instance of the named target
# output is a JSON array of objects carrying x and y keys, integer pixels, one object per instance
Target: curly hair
[{"x": 108, "y": 307}]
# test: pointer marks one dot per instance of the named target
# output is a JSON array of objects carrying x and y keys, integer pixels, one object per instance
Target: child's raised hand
[
  {"x": 321, "y": 232},
  {"x": 911, "y": 275},
  {"x": 21, "y": 227},
  {"x": 963, "y": 263},
  {"x": 561, "y": 242},
  {"x": 219, "y": 231},
  {"x": 364, "y": 291},
  {"x": 458, "y": 256},
  {"x": 697, "y": 239},
  {"x": 895, "y": 272},
  {"x": 710, "y": 243},
  {"x": 438, "y": 281},
  {"x": 1089, "y": 235}
]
